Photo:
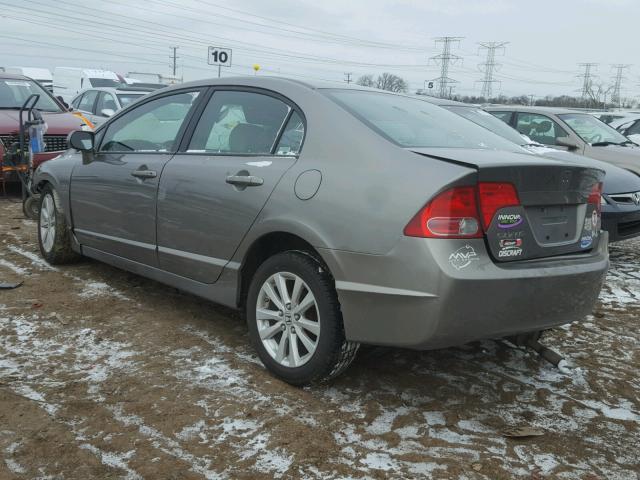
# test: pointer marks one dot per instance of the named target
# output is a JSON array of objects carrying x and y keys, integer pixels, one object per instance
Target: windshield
[
  {"x": 411, "y": 122},
  {"x": 592, "y": 130},
  {"x": 488, "y": 121},
  {"x": 105, "y": 82},
  {"x": 13, "y": 94},
  {"x": 128, "y": 98}
]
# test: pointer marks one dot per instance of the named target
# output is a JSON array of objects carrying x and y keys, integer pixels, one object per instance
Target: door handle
[
  {"x": 245, "y": 180},
  {"x": 144, "y": 173}
]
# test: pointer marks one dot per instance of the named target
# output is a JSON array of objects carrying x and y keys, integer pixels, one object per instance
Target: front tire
[
  {"x": 295, "y": 322},
  {"x": 31, "y": 207},
  {"x": 54, "y": 236}
]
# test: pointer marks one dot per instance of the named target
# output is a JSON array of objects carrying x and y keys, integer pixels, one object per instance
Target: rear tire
[
  {"x": 54, "y": 235},
  {"x": 299, "y": 335},
  {"x": 31, "y": 207}
]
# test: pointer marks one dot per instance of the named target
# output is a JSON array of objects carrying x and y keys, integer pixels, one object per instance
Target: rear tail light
[
  {"x": 460, "y": 211},
  {"x": 595, "y": 197},
  {"x": 493, "y": 197}
]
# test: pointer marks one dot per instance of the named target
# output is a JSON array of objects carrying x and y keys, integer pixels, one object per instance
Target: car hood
[
  {"x": 623, "y": 157},
  {"x": 60, "y": 123},
  {"x": 617, "y": 180}
]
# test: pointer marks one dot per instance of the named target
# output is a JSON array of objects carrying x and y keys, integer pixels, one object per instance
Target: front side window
[
  {"x": 412, "y": 122},
  {"x": 592, "y": 130},
  {"x": 239, "y": 122},
  {"x": 88, "y": 101},
  {"x": 151, "y": 127},
  {"x": 634, "y": 129},
  {"x": 539, "y": 128},
  {"x": 76, "y": 102},
  {"x": 106, "y": 102}
]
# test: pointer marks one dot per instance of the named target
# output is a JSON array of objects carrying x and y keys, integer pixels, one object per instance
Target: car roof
[
  {"x": 524, "y": 108},
  {"x": 12, "y": 76},
  {"x": 140, "y": 91}
]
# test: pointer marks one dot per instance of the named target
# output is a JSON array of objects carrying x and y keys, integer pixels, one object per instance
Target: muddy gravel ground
[{"x": 104, "y": 374}]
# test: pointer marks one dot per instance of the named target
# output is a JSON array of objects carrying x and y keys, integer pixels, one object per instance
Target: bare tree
[
  {"x": 386, "y": 81},
  {"x": 366, "y": 81}
]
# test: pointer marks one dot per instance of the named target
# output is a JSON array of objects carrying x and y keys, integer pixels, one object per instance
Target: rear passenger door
[{"x": 213, "y": 189}]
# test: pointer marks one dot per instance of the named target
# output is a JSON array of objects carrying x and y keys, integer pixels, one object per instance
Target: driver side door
[{"x": 114, "y": 193}]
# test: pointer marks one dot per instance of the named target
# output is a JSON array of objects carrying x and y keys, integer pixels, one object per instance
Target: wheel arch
[{"x": 266, "y": 246}]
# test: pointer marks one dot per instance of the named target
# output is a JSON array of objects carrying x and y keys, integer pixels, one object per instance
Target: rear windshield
[
  {"x": 488, "y": 121},
  {"x": 105, "y": 82},
  {"x": 13, "y": 94},
  {"x": 128, "y": 98},
  {"x": 411, "y": 122}
]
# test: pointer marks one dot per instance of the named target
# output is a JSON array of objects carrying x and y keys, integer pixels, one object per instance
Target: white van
[
  {"x": 68, "y": 81},
  {"x": 41, "y": 75}
]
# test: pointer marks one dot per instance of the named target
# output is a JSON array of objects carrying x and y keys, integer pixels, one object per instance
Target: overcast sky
[{"x": 324, "y": 39}]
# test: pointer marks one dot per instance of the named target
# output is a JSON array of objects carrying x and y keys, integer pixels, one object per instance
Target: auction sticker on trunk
[
  {"x": 509, "y": 220},
  {"x": 463, "y": 257},
  {"x": 510, "y": 247}
]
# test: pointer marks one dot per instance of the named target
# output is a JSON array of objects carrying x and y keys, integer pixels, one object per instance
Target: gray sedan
[{"x": 332, "y": 216}]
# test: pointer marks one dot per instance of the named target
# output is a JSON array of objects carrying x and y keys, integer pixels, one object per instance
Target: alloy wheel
[{"x": 48, "y": 223}]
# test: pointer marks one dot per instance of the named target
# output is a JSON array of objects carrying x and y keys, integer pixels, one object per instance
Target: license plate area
[{"x": 554, "y": 225}]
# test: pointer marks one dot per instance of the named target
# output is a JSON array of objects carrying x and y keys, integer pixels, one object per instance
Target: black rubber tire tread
[
  {"x": 31, "y": 207},
  {"x": 61, "y": 253},
  {"x": 334, "y": 353}
]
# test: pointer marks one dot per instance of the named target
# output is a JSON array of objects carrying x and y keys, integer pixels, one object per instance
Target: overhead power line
[
  {"x": 489, "y": 66},
  {"x": 445, "y": 60}
]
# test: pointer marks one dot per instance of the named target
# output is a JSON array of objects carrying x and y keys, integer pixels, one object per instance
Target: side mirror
[
  {"x": 81, "y": 140},
  {"x": 107, "y": 112},
  {"x": 566, "y": 142}
]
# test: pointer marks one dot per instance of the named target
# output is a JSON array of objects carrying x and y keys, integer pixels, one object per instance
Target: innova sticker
[{"x": 509, "y": 220}]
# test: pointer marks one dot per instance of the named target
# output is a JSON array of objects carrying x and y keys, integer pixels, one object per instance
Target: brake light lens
[
  {"x": 451, "y": 214},
  {"x": 595, "y": 197},
  {"x": 461, "y": 212},
  {"x": 493, "y": 197}
]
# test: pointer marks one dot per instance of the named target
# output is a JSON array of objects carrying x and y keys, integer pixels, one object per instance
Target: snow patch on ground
[{"x": 94, "y": 289}]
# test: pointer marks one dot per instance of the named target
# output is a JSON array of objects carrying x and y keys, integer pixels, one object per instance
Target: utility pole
[
  {"x": 489, "y": 66},
  {"x": 587, "y": 78},
  {"x": 617, "y": 82},
  {"x": 445, "y": 59},
  {"x": 347, "y": 77},
  {"x": 531, "y": 97},
  {"x": 175, "y": 58}
]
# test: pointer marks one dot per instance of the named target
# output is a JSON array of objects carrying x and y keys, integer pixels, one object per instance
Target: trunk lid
[{"x": 554, "y": 216}]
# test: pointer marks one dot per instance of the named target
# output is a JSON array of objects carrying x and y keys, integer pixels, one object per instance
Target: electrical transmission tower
[
  {"x": 587, "y": 78},
  {"x": 490, "y": 66},
  {"x": 617, "y": 82},
  {"x": 174, "y": 57},
  {"x": 445, "y": 59}
]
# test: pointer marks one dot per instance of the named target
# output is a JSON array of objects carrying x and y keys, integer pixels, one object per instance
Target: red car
[{"x": 14, "y": 90}]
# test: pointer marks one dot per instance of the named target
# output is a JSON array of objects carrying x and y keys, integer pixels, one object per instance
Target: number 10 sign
[{"x": 219, "y": 56}]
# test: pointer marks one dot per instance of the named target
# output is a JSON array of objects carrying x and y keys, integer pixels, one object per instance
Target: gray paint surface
[{"x": 393, "y": 289}]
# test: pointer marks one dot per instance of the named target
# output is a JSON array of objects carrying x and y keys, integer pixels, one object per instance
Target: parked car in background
[
  {"x": 68, "y": 82},
  {"x": 629, "y": 127},
  {"x": 98, "y": 104},
  {"x": 621, "y": 188},
  {"x": 568, "y": 130},
  {"x": 332, "y": 215},
  {"x": 614, "y": 118},
  {"x": 14, "y": 91},
  {"x": 41, "y": 75}
]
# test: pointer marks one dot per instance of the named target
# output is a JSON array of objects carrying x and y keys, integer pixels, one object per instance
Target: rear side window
[
  {"x": 291, "y": 140},
  {"x": 504, "y": 116},
  {"x": 151, "y": 127},
  {"x": 634, "y": 129},
  {"x": 539, "y": 128},
  {"x": 239, "y": 123},
  {"x": 88, "y": 101}
]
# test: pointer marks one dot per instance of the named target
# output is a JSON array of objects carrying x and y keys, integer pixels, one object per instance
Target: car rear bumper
[
  {"x": 417, "y": 297},
  {"x": 621, "y": 224}
]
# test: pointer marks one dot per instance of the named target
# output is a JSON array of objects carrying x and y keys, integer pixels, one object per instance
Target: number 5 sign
[{"x": 219, "y": 56}]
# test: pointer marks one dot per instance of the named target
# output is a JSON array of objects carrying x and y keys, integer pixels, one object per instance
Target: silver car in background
[
  {"x": 332, "y": 216},
  {"x": 100, "y": 103}
]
